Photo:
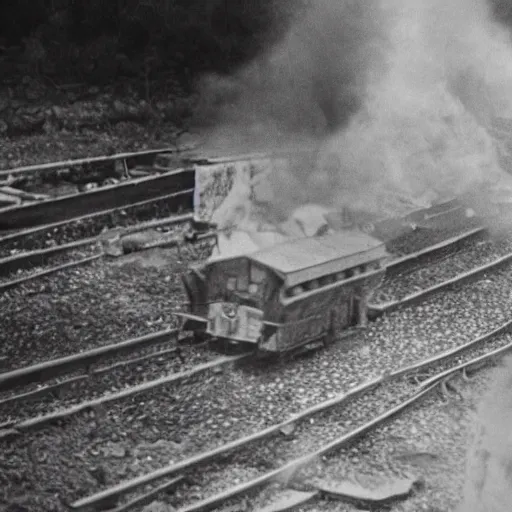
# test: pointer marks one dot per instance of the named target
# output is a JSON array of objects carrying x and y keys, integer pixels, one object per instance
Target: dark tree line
[{"x": 98, "y": 40}]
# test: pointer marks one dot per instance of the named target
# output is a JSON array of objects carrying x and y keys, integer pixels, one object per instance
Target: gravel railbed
[
  {"x": 61, "y": 182},
  {"x": 314, "y": 433},
  {"x": 422, "y": 237},
  {"x": 98, "y": 385},
  {"x": 430, "y": 441},
  {"x": 98, "y": 304},
  {"x": 129, "y": 216},
  {"x": 265, "y": 395},
  {"x": 103, "y": 363},
  {"x": 52, "y": 261},
  {"x": 41, "y": 148},
  {"x": 88, "y": 228},
  {"x": 439, "y": 254},
  {"x": 472, "y": 255},
  {"x": 319, "y": 430},
  {"x": 167, "y": 424}
]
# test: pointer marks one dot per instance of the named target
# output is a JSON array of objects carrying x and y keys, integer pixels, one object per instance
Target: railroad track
[
  {"x": 87, "y": 226},
  {"x": 381, "y": 344},
  {"x": 84, "y": 361},
  {"x": 86, "y": 250},
  {"x": 364, "y": 408},
  {"x": 173, "y": 170},
  {"x": 101, "y": 387},
  {"x": 431, "y": 233},
  {"x": 75, "y": 162},
  {"x": 74, "y": 205},
  {"x": 44, "y": 372},
  {"x": 92, "y": 225},
  {"x": 41, "y": 372},
  {"x": 475, "y": 259},
  {"x": 169, "y": 169},
  {"x": 19, "y": 268},
  {"x": 126, "y": 157},
  {"x": 31, "y": 265}
]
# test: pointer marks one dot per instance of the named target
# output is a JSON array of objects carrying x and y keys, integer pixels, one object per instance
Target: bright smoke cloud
[
  {"x": 423, "y": 130},
  {"x": 398, "y": 95},
  {"x": 309, "y": 84}
]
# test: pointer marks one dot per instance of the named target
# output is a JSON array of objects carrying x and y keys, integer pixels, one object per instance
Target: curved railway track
[
  {"x": 64, "y": 391},
  {"x": 393, "y": 392},
  {"x": 47, "y": 370},
  {"x": 339, "y": 368}
]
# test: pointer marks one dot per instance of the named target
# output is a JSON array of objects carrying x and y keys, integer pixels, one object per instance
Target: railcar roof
[{"x": 297, "y": 255}]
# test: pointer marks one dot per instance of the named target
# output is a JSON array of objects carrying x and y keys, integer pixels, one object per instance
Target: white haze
[
  {"x": 488, "y": 487},
  {"x": 402, "y": 91},
  {"x": 423, "y": 127}
]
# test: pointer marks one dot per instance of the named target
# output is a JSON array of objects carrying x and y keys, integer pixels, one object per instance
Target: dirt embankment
[
  {"x": 41, "y": 121},
  {"x": 488, "y": 486}
]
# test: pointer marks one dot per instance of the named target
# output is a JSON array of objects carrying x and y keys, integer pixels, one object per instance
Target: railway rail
[
  {"x": 394, "y": 392},
  {"x": 13, "y": 427},
  {"x": 418, "y": 239},
  {"x": 107, "y": 383},
  {"x": 84, "y": 360},
  {"x": 92, "y": 225},
  {"x": 187, "y": 152},
  {"x": 86, "y": 250},
  {"x": 75, "y": 205},
  {"x": 418, "y": 259},
  {"x": 96, "y": 374},
  {"x": 10, "y": 283},
  {"x": 173, "y": 170},
  {"x": 32, "y": 423},
  {"x": 41, "y": 257},
  {"x": 59, "y": 257},
  {"x": 80, "y": 220},
  {"x": 43, "y": 371},
  {"x": 170, "y": 169},
  {"x": 139, "y": 349},
  {"x": 124, "y": 157},
  {"x": 463, "y": 266}
]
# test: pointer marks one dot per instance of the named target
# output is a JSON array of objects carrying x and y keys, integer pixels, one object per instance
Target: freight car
[{"x": 283, "y": 297}]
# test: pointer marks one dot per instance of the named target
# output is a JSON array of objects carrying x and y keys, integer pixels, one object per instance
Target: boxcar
[{"x": 291, "y": 294}]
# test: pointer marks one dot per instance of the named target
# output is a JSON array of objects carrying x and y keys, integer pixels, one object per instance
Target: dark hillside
[{"x": 98, "y": 42}]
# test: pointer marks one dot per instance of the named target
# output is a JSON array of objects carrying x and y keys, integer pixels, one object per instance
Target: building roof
[{"x": 313, "y": 257}]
